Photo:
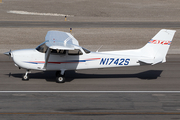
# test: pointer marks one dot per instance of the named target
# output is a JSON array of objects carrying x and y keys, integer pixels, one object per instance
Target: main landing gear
[{"x": 60, "y": 77}]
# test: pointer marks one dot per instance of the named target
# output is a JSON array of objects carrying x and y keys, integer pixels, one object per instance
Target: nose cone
[{"x": 8, "y": 53}]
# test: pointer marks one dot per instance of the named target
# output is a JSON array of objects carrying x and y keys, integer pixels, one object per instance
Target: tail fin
[{"x": 157, "y": 48}]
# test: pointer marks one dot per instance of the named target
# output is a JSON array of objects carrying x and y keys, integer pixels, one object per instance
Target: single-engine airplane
[{"x": 61, "y": 52}]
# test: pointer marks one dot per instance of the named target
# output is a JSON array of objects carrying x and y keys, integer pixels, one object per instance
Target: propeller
[
  {"x": 8, "y": 53},
  {"x": 10, "y": 74}
]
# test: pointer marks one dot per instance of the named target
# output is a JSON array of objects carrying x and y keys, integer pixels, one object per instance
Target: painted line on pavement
[
  {"x": 89, "y": 91},
  {"x": 36, "y": 13}
]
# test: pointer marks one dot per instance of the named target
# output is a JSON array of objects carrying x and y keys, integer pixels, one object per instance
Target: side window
[
  {"x": 61, "y": 52},
  {"x": 75, "y": 52},
  {"x": 53, "y": 51}
]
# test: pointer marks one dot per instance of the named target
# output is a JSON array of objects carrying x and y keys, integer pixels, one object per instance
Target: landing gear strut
[
  {"x": 60, "y": 77},
  {"x": 25, "y": 76}
]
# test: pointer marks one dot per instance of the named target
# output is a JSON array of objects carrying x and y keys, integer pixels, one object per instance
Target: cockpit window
[
  {"x": 42, "y": 48},
  {"x": 86, "y": 51}
]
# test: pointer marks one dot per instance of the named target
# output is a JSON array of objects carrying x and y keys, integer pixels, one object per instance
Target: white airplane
[{"x": 61, "y": 52}]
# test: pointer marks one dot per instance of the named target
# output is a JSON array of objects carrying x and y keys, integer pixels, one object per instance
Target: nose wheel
[
  {"x": 60, "y": 78},
  {"x": 25, "y": 76}
]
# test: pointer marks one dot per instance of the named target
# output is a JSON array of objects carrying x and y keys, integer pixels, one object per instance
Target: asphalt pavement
[{"x": 69, "y": 24}]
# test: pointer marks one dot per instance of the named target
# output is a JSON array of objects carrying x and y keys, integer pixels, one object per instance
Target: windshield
[{"x": 42, "y": 48}]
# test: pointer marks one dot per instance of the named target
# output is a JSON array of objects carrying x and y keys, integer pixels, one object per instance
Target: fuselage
[{"x": 32, "y": 59}]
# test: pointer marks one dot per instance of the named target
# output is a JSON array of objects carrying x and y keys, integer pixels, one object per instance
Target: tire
[
  {"x": 25, "y": 77},
  {"x": 60, "y": 79}
]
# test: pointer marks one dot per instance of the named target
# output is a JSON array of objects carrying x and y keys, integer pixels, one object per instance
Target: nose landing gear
[{"x": 25, "y": 76}]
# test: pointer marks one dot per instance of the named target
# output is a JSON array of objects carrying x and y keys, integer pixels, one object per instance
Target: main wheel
[
  {"x": 60, "y": 79},
  {"x": 25, "y": 77}
]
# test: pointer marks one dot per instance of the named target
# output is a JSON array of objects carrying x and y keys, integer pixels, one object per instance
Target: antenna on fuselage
[{"x": 99, "y": 48}]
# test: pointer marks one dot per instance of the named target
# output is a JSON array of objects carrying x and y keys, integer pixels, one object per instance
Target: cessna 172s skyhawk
[{"x": 61, "y": 52}]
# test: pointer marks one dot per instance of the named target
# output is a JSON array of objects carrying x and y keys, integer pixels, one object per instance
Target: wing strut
[{"x": 47, "y": 57}]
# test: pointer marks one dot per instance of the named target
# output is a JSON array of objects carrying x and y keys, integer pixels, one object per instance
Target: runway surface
[
  {"x": 81, "y": 104},
  {"x": 68, "y": 24},
  {"x": 98, "y": 106}
]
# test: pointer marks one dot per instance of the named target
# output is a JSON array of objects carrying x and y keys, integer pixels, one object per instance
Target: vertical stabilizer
[{"x": 157, "y": 47}]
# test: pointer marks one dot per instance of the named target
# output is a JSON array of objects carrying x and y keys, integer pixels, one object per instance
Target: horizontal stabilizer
[
  {"x": 147, "y": 61},
  {"x": 151, "y": 61}
]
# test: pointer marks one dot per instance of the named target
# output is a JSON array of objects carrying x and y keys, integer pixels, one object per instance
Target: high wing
[{"x": 60, "y": 40}]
